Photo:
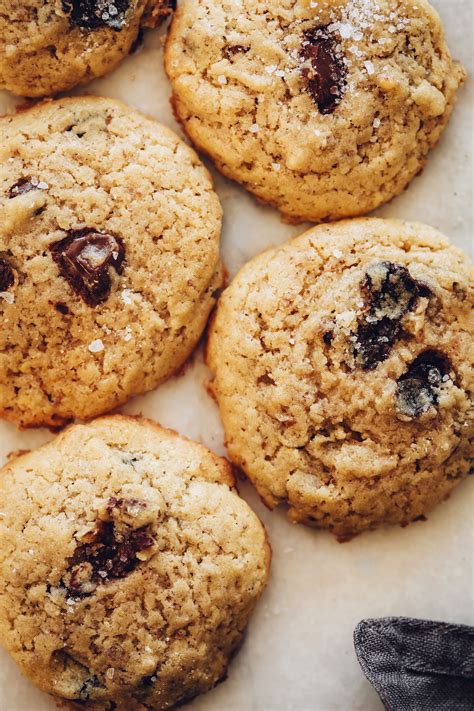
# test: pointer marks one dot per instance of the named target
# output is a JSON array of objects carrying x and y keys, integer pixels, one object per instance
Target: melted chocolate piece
[
  {"x": 389, "y": 293},
  {"x": 21, "y": 187},
  {"x": 84, "y": 258},
  {"x": 389, "y": 290},
  {"x": 232, "y": 49},
  {"x": 7, "y": 275},
  {"x": 61, "y": 308},
  {"x": 110, "y": 555},
  {"x": 375, "y": 341},
  {"x": 91, "y": 14},
  {"x": 418, "y": 388},
  {"x": 326, "y": 73},
  {"x": 88, "y": 688}
]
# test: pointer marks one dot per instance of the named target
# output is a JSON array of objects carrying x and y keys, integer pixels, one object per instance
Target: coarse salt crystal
[
  {"x": 279, "y": 73},
  {"x": 271, "y": 68},
  {"x": 222, "y": 79},
  {"x": 110, "y": 673},
  {"x": 276, "y": 166},
  {"x": 127, "y": 296},
  {"x": 376, "y": 123},
  {"x": 337, "y": 253},
  {"x": 148, "y": 649},
  {"x": 369, "y": 67},
  {"x": 291, "y": 341},
  {"x": 42, "y": 185},
  {"x": 7, "y": 296},
  {"x": 96, "y": 346},
  {"x": 254, "y": 128}
]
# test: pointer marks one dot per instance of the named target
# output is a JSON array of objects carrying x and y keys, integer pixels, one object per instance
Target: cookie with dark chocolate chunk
[
  {"x": 109, "y": 262},
  {"x": 343, "y": 368},
  {"x": 322, "y": 109},
  {"x": 48, "y": 46},
  {"x": 135, "y": 558}
]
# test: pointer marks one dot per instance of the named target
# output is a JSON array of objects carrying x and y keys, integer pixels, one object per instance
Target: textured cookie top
[
  {"x": 325, "y": 109},
  {"x": 47, "y": 46},
  {"x": 109, "y": 257},
  {"x": 129, "y": 565},
  {"x": 343, "y": 368}
]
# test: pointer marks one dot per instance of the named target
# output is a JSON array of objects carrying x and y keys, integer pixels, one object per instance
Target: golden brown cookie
[
  {"x": 324, "y": 109},
  {"x": 343, "y": 368},
  {"x": 47, "y": 46},
  {"x": 129, "y": 566},
  {"x": 109, "y": 258}
]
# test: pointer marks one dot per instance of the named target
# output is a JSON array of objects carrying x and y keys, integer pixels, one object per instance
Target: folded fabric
[{"x": 418, "y": 665}]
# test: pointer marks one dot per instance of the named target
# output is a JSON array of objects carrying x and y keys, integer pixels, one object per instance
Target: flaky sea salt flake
[{"x": 96, "y": 346}]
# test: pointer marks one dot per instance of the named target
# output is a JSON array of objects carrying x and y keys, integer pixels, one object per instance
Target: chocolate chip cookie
[
  {"x": 109, "y": 258},
  {"x": 324, "y": 109},
  {"x": 129, "y": 566},
  {"x": 47, "y": 46},
  {"x": 343, "y": 368}
]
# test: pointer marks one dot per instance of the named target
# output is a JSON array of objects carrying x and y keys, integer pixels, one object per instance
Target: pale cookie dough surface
[
  {"x": 109, "y": 258},
  {"x": 343, "y": 368},
  {"x": 47, "y": 46},
  {"x": 129, "y": 566},
  {"x": 324, "y": 109}
]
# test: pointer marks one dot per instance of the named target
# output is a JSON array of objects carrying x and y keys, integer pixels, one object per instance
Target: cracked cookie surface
[
  {"x": 343, "y": 369},
  {"x": 129, "y": 566},
  {"x": 326, "y": 109},
  {"x": 109, "y": 258},
  {"x": 47, "y": 46}
]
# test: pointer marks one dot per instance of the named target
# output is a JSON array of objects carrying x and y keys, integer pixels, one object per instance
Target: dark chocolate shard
[
  {"x": 324, "y": 69},
  {"x": 109, "y": 552},
  {"x": 390, "y": 293},
  {"x": 374, "y": 341},
  {"x": 84, "y": 258},
  {"x": 389, "y": 290},
  {"x": 92, "y": 14},
  {"x": 418, "y": 388},
  {"x": 22, "y": 186},
  {"x": 7, "y": 275}
]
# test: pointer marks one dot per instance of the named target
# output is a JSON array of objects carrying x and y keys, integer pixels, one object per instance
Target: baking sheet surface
[{"x": 298, "y": 655}]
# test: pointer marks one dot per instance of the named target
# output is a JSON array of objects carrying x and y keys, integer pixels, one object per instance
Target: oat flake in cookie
[
  {"x": 109, "y": 258},
  {"x": 343, "y": 368},
  {"x": 47, "y": 46},
  {"x": 324, "y": 109},
  {"x": 129, "y": 566}
]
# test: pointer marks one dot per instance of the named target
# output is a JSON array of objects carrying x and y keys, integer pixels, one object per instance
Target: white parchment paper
[{"x": 298, "y": 655}]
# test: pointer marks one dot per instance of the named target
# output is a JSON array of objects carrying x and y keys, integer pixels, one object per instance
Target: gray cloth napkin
[{"x": 418, "y": 665}]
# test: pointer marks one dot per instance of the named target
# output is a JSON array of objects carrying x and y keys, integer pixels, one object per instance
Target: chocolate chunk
[
  {"x": 84, "y": 258},
  {"x": 109, "y": 554},
  {"x": 232, "y": 49},
  {"x": 389, "y": 293},
  {"x": 61, "y": 308},
  {"x": 324, "y": 69},
  {"x": 24, "y": 185},
  {"x": 88, "y": 687},
  {"x": 91, "y": 14},
  {"x": 389, "y": 290},
  {"x": 7, "y": 275},
  {"x": 418, "y": 388},
  {"x": 374, "y": 341}
]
